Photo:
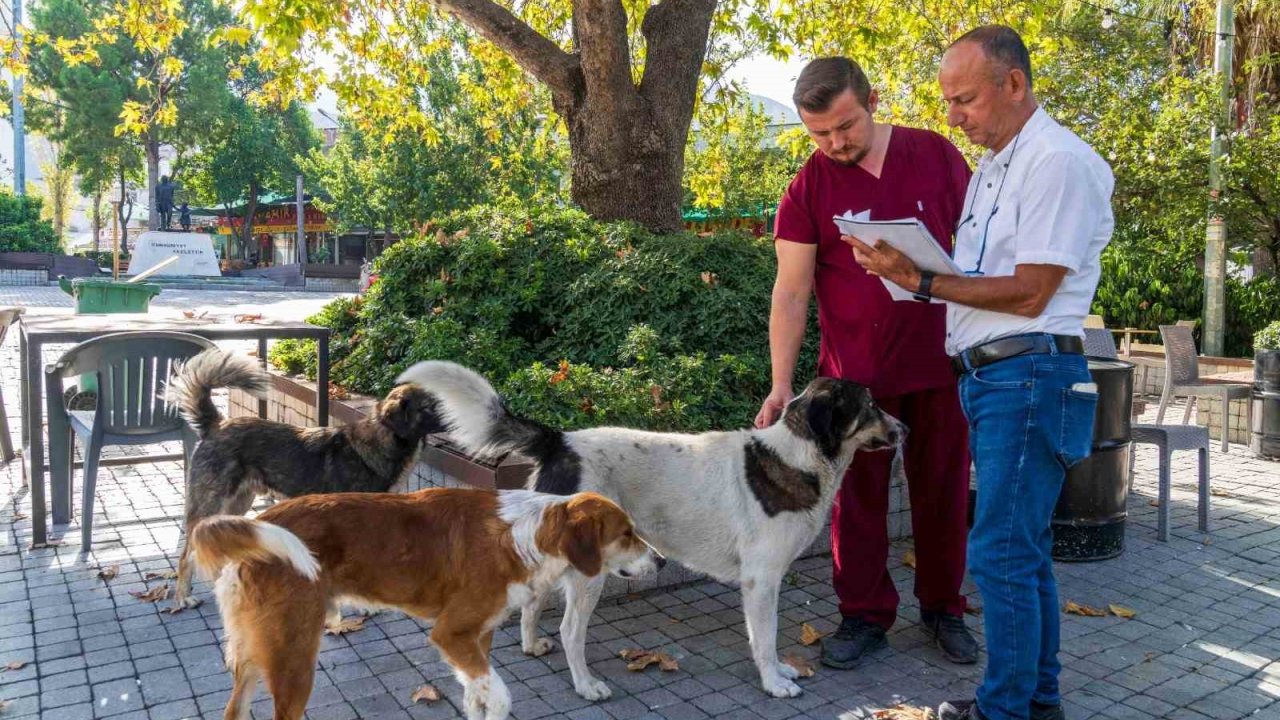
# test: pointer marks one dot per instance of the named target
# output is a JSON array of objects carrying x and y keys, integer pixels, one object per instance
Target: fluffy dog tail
[
  {"x": 191, "y": 384},
  {"x": 222, "y": 539},
  {"x": 480, "y": 422}
]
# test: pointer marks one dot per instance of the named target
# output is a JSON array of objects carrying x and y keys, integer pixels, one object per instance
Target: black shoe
[
  {"x": 855, "y": 638},
  {"x": 960, "y": 710},
  {"x": 1040, "y": 711},
  {"x": 952, "y": 637}
]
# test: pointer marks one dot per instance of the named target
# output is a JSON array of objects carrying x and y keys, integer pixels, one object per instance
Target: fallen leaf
[
  {"x": 974, "y": 610},
  {"x": 166, "y": 575},
  {"x": 108, "y": 574},
  {"x": 155, "y": 594},
  {"x": 1219, "y": 492},
  {"x": 809, "y": 634},
  {"x": 909, "y": 559},
  {"x": 904, "y": 712},
  {"x": 638, "y": 660},
  {"x": 710, "y": 279},
  {"x": 19, "y": 516},
  {"x": 1121, "y": 611},
  {"x": 248, "y": 317},
  {"x": 799, "y": 663},
  {"x": 15, "y": 665},
  {"x": 426, "y": 692},
  {"x": 346, "y": 625},
  {"x": 252, "y": 353},
  {"x": 1084, "y": 610},
  {"x": 3, "y": 704},
  {"x": 1149, "y": 656},
  {"x": 1153, "y": 503},
  {"x": 337, "y": 392},
  {"x": 188, "y": 314}
]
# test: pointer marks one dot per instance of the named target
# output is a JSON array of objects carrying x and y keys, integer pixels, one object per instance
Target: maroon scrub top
[{"x": 892, "y": 347}]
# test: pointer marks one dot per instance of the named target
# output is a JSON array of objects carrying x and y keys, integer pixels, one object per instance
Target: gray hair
[{"x": 1003, "y": 47}]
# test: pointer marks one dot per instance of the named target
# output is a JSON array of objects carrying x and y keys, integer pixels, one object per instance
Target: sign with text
[{"x": 194, "y": 250}]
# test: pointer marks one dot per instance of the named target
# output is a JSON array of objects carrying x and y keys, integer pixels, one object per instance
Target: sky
[{"x": 763, "y": 75}]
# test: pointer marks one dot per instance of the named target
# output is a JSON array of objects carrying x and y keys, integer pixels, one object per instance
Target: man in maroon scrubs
[{"x": 894, "y": 348}]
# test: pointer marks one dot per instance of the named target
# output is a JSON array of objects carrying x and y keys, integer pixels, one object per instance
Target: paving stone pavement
[{"x": 1205, "y": 641}]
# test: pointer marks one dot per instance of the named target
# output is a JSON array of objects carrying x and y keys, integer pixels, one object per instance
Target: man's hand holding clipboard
[{"x": 896, "y": 251}]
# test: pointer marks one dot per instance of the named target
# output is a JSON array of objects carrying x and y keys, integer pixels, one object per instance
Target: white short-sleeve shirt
[{"x": 1044, "y": 199}]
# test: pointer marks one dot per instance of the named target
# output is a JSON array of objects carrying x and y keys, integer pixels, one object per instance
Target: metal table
[{"x": 38, "y": 331}]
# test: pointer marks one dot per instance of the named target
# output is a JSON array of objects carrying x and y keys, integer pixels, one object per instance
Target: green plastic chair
[{"x": 131, "y": 369}]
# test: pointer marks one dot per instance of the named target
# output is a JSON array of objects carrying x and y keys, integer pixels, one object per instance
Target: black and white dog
[{"x": 739, "y": 506}]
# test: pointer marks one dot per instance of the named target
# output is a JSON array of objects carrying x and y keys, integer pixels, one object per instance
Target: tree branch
[
  {"x": 676, "y": 34},
  {"x": 537, "y": 54},
  {"x": 600, "y": 28}
]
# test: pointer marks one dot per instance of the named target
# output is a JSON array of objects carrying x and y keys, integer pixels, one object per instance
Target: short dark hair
[
  {"x": 1003, "y": 46},
  {"x": 824, "y": 79}
]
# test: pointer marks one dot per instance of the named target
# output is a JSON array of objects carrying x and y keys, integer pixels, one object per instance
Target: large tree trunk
[
  {"x": 97, "y": 220},
  {"x": 626, "y": 140},
  {"x": 152, "y": 147},
  {"x": 246, "y": 222}
]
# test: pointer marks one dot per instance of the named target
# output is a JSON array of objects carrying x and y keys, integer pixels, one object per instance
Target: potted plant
[{"x": 1265, "y": 435}]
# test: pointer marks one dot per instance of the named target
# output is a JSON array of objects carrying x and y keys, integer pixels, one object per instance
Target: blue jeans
[{"x": 1027, "y": 425}]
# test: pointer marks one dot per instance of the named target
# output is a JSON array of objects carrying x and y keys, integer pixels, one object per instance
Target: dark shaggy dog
[{"x": 240, "y": 458}]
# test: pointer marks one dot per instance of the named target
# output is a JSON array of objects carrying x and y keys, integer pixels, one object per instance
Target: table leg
[
  {"x": 33, "y": 440},
  {"x": 22, "y": 386},
  {"x": 60, "y": 465},
  {"x": 262, "y": 358},
  {"x": 322, "y": 382}
]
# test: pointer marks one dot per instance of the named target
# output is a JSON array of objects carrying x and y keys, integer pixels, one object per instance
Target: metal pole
[
  {"x": 302, "y": 235},
  {"x": 19, "y": 133},
  {"x": 1215, "y": 250}
]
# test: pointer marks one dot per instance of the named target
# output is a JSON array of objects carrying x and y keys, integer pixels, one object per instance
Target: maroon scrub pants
[{"x": 936, "y": 461}]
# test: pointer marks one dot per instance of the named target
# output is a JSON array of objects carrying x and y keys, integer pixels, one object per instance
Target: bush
[
  {"x": 1268, "y": 338},
  {"x": 1150, "y": 280},
  {"x": 101, "y": 257},
  {"x": 21, "y": 229},
  {"x": 577, "y": 322}
]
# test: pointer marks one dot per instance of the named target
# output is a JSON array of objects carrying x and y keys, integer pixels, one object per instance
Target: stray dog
[
  {"x": 241, "y": 458},
  {"x": 738, "y": 506},
  {"x": 464, "y": 558}
]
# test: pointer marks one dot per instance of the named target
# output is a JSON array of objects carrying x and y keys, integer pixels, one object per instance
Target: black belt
[{"x": 1005, "y": 348}]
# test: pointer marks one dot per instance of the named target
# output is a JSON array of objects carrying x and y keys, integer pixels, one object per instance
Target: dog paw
[
  {"x": 189, "y": 602},
  {"x": 781, "y": 687},
  {"x": 593, "y": 689},
  {"x": 540, "y": 647},
  {"x": 787, "y": 671}
]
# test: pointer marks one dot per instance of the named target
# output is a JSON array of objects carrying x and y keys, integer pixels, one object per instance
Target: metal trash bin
[
  {"x": 1264, "y": 435},
  {"x": 1088, "y": 522}
]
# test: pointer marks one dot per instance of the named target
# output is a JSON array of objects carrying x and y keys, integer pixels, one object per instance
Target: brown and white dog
[{"x": 464, "y": 558}]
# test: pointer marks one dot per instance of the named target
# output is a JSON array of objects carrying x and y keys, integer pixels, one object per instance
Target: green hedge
[
  {"x": 1148, "y": 280},
  {"x": 577, "y": 322},
  {"x": 21, "y": 229}
]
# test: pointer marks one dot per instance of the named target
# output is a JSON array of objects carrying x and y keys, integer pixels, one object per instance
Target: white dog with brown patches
[
  {"x": 739, "y": 506},
  {"x": 463, "y": 558}
]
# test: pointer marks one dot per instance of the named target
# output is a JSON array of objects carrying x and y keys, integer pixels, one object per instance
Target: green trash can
[{"x": 95, "y": 296}]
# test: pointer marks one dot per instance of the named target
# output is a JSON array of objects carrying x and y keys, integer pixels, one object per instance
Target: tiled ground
[{"x": 1205, "y": 642}]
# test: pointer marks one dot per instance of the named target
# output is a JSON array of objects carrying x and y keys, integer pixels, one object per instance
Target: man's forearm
[
  {"x": 1007, "y": 294},
  {"x": 787, "y": 318}
]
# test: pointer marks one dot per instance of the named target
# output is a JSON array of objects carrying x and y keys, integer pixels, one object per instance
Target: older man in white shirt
[{"x": 1038, "y": 217}]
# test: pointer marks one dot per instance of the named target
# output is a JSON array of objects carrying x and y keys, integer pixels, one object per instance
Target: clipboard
[{"x": 908, "y": 236}]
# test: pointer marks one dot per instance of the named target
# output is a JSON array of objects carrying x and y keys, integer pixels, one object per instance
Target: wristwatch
[{"x": 924, "y": 293}]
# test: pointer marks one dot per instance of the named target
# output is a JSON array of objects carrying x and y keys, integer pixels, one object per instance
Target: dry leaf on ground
[
  {"x": 799, "y": 663},
  {"x": 19, "y": 516},
  {"x": 1121, "y": 611},
  {"x": 1153, "y": 503},
  {"x": 166, "y": 575},
  {"x": 15, "y": 665},
  {"x": 346, "y": 625},
  {"x": 909, "y": 559},
  {"x": 248, "y": 317},
  {"x": 809, "y": 634},
  {"x": 427, "y": 692},
  {"x": 188, "y": 314},
  {"x": 1219, "y": 492},
  {"x": 107, "y": 574},
  {"x": 638, "y": 660},
  {"x": 3, "y": 704},
  {"x": 1149, "y": 656},
  {"x": 1085, "y": 610},
  {"x": 904, "y": 712},
  {"x": 155, "y": 594}
]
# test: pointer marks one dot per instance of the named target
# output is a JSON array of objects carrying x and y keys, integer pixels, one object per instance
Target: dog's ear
[
  {"x": 582, "y": 544},
  {"x": 828, "y": 419},
  {"x": 398, "y": 413}
]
